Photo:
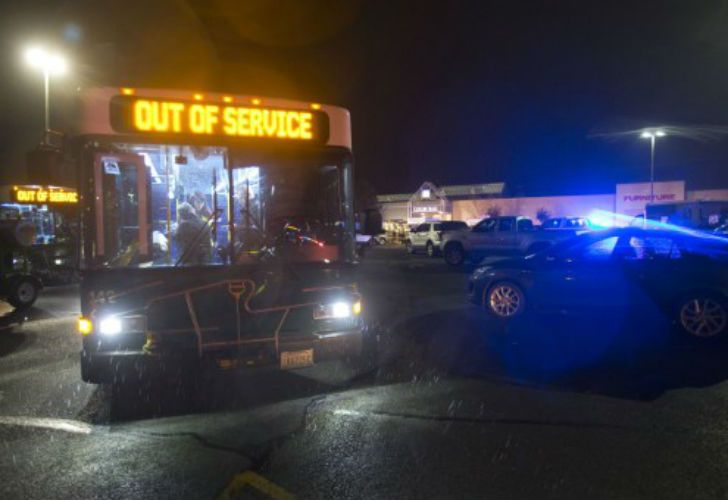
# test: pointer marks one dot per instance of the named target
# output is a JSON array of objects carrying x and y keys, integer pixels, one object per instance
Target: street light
[
  {"x": 50, "y": 64},
  {"x": 652, "y": 135}
]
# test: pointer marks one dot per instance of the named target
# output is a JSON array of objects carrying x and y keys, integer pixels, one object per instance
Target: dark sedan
[{"x": 684, "y": 274}]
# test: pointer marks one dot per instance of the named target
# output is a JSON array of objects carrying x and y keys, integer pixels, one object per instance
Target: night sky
[{"x": 451, "y": 92}]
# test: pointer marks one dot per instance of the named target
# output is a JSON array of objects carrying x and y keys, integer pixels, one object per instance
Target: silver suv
[{"x": 428, "y": 236}]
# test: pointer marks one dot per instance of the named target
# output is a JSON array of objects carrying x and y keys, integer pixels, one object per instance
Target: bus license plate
[{"x": 296, "y": 359}]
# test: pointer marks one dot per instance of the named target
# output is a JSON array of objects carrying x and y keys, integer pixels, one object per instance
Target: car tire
[
  {"x": 409, "y": 247},
  {"x": 505, "y": 300},
  {"x": 454, "y": 254},
  {"x": 431, "y": 249},
  {"x": 703, "y": 315},
  {"x": 23, "y": 293}
]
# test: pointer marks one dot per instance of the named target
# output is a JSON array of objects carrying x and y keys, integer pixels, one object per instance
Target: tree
[{"x": 543, "y": 215}]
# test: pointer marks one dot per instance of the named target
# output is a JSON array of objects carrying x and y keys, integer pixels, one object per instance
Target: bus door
[{"x": 121, "y": 207}]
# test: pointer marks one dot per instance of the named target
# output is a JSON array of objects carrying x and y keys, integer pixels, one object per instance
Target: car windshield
[{"x": 453, "y": 226}]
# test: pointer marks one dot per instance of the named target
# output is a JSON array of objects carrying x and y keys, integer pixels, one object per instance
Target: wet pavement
[{"x": 456, "y": 405}]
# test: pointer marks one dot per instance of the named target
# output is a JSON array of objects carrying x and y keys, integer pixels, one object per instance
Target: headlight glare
[
  {"x": 340, "y": 309},
  {"x": 110, "y": 325}
]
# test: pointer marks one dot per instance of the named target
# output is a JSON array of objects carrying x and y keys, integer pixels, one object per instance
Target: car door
[
  {"x": 654, "y": 264},
  {"x": 522, "y": 240},
  {"x": 481, "y": 239},
  {"x": 585, "y": 276},
  {"x": 505, "y": 240},
  {"x": 597, "y": 278},
  {"x": 419, "y": 235}
]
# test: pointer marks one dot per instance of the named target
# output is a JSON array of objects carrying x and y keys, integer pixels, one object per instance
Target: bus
[{"x": 217, "y": 230}]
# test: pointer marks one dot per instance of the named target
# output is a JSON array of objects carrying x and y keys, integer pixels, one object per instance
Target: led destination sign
[
  {"x": 43, "y": 195},
  {"x": 165, "y": 116}
]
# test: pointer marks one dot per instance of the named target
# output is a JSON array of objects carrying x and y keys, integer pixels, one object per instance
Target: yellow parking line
[{"x": 256, "y": 481}]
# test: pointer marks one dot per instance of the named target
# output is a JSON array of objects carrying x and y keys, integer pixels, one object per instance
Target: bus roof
[{"x": 95, "y": 110}]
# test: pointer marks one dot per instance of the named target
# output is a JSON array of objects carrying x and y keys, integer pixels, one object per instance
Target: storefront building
[{"x": 471, "y": 203}]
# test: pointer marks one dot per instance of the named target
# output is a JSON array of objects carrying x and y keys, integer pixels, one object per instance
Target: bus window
[
  {"x": 292, "y": 209},
  {"x": 160, "y": 205},
  {"x": 165, "y": 205}
]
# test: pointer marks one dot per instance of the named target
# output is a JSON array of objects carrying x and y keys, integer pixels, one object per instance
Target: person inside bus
[
  {"x": 192, "y": 236},
  {"x": 200, "y": 205}
]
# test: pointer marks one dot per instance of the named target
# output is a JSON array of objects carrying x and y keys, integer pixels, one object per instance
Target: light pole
[
  {"x": 652, "y": 135},
  {"x": 50, "y": 64}
]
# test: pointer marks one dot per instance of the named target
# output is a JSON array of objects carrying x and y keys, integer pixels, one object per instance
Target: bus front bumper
[{"x": 110, "y": 366}]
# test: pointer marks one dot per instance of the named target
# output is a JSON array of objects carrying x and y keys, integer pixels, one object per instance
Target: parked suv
[{"x": 428, "y": 236}]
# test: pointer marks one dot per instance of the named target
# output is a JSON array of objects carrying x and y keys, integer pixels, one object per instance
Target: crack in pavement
[{"x": 259, "y": 454}]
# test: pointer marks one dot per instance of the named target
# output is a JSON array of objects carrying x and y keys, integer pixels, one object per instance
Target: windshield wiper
[{"x": 193, "y": 244}]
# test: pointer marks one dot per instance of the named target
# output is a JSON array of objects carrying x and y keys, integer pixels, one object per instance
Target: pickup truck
[{"x": 498, "y": 236}]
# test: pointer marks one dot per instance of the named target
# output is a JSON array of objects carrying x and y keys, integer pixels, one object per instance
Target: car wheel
[
  {"x": 430, "y": 249},
  {"x": 703, "y": 316},
  {"x": 408, "y": 246},
  {"x": 455, "y": 254},
  {"x": 23, "y": 294},
  {"x": 505, "y": 300}
]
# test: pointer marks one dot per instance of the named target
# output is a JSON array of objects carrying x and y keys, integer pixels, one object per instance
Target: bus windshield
[{"x": 165, "y": 205}]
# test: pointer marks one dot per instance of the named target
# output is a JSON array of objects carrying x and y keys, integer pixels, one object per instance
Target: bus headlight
[
  {"x": 110, "y": 325},
  {"x": 338, "y": 310}
]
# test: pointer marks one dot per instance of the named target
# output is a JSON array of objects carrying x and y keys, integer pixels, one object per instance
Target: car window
[
  {"x": 525, "y": 225},
  {"x": 551, "y": 224},
  {"x": 453, "y": 226},
  {"x": 599, "y": 250},
  {"x": 505, "y": 225},
  {"x": 575, "y": 223},
  {"x": 485, "y": 226},
  {"x": 422, "y": 228},
  {"x": 437, "y": 227},
  {"x": 651, "y": 247}
]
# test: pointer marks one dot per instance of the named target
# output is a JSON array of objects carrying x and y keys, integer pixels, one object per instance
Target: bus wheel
[{"x": 23, "y": 293}]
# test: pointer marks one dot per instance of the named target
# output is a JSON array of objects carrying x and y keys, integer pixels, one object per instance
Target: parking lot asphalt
[{"x": 456, "y": 405}]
